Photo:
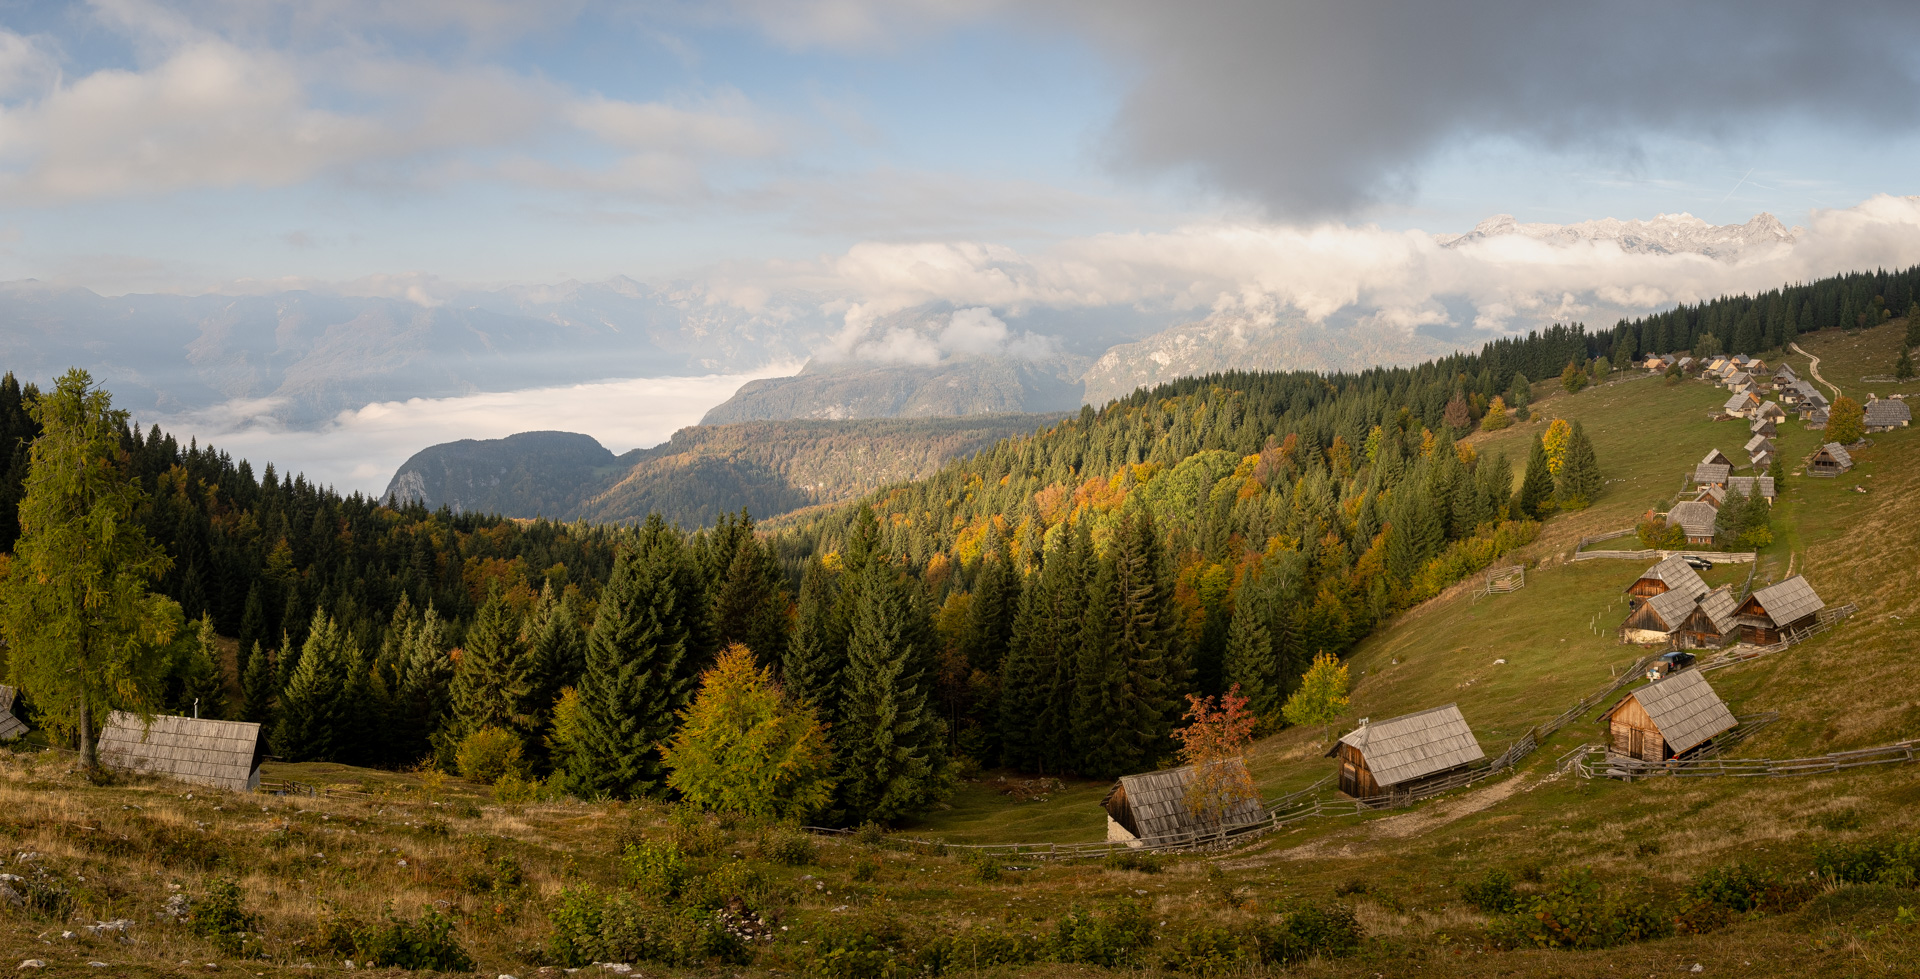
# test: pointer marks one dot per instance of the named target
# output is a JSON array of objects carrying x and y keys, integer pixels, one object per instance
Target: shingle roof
[
  {"x": 1694, "y": 517},
  {"x": 1673, "y": 607},
  {"x": 1788, "y": 601},
  {"x": 221, "y": 753},
  {"x": 1711, "y": 494},
  {"x": 1769, "y": 408},
  {"x": 1785, "y": 373},
  {"x": 1678, "y": 576},
  {"x": 1413, "y": 746},
  {"x": 1838, "y": 452},
  {"x": 1685, "y": 709},
  {"x": 1736, "y": 403},
  {"x": 1711, "y": 473},
  {"x": 1718, "y": 606},
  {"x": 1738, "y": 378},
  {"x": 10, "y": 726},
  {"x": 1745, "y": 485},
  {"x": 1887, "y": 412},
  {"x": 1817, "y": 417},
  {"x": 1157, "y": 803},
  {"x": 1715, "y": 457},
  {"x": 1758, "y": 442}
]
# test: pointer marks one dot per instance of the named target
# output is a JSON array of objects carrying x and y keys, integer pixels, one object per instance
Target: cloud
[
  {"x": 361, "y": 449},
  {"x": 1324, "y": 108},
  {"x": 207, "y": 110},
  {"x": 855, "y": 24},
  {"x": 926, "y": 340}
]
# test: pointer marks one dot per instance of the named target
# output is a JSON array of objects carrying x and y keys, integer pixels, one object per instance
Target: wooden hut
[
  {"x": 1672, "y": 574},
  {"x": 1711, "y": 474},
  {"x": 1887, "y": 414},
  {"x": 1401, "y": 754},
  {"x": 1816, "y": 419},
  {"x": 1830, "y": 459},
  {"x": 1668, "y": 719},
  {"x": 10, "y": 726},
  {"x": 1713, "y": 623},
  {"x": 1757, "y": 444},
  {"x": 1658, "y": 619},
  {"x": 1764, "y": 426},
  {"x": 1695, "y": 519},
  {"x": 1712, "y": 496},
  {"x": 1715, "y": 457},
  {"x": 226, "y": 754},
  {"x": 1772, "y": 613},
  {"x": 1749, "y": 485},
  {"x": 1741, "y": 405},
  {"x": 1152, "y": 809}
]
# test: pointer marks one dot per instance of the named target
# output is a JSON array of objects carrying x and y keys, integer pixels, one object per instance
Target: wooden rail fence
[{"x": 1591, "y": 760}]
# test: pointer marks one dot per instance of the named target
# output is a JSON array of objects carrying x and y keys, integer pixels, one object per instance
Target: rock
[
  {"x": 117, "y": 926},
  {"x": 30, "y": 964},
  {"x": 97, "y": 965},
  {"x": 11, "y": 897},
  {"x": 1697, "y": 968},
  {"x": 67, "y": 935}
]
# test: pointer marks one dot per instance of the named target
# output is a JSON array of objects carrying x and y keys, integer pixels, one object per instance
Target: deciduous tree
[
  {"x": 1846, "y": 421},
  {"x": 745, "y": 746},
  {"x": 1322, "y": 696}
]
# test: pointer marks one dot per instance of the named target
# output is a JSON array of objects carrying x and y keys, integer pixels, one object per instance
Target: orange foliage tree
[{"x": 1213, "y": 742}]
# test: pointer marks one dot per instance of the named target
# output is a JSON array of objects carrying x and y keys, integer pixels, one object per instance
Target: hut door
[
  {"x": 1349, "y": 777},
  {"x": 1635, "y": 745}
]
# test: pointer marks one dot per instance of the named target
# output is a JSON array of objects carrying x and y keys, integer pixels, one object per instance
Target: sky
[{"x": 875, "y": 153}]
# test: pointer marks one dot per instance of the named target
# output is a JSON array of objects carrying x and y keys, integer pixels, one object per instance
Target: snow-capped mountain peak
[{"x": 1663, "y": 234}]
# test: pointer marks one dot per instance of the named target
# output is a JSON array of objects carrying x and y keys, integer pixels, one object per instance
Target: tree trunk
[{"x": 89, "y": 759}]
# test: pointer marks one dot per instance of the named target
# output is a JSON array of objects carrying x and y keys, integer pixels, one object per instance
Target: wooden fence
[
  {"x": 1744, "y": 652},
  {"x": 1591, "y": 760},
  {"x": 1500, "y": 581},
  {"x": 1718, "y": 557}
]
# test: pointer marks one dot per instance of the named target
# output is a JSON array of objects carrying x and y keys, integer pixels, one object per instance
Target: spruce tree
[
  {"x": 1913, "y": 326},
  {"x": 1536, "y": 488},
  {"x": 1103, "y": 712},
  {"x": 1903, "y": 365},
  {"x": 493, "y": 684},
  {"x": 995, "y": 601},
  {"x": 1145, "y": 627},
  {"x": 749, "y": 605},
  {"x": 313, "y": 704},
  {"x": 892, "y": 758},
  {"x": 556, "y": 648},
  {"x": 633, "y": 684},
  {"x": 1580, "y": 479},
  {"x": 259, "y": 684},
  {"x": 202, "y": 683},
  {"x": 1036, "y": 687},
  {"x": 253, "y": 620},
  {"x": 1251, "y": 664},
  {"x": 423, "y": 693},
  {"x": 816, "y": 659}
]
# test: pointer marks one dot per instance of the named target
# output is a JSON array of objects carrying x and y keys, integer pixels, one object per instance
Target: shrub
[
  {"x": 1109, "y": 937},
  {"x": 1868, "y": 862},
  {"x": 425, "y": 943},
  {"x": 489, "y": 753},
  {"x": 590, "y": 927},
  {"x": 870, "y": 834},
  {"x": 1745, "y": 889},
  {"x": 1138, "y": 861},
  {"x": 510, "y": 787},
  {"x": 866, "y": 869},
  {"x": 1329, "y": 931},
  {"x": 734, "y": 883},
  {"x": 789, "y": 846},
  {"x": 695, "y": 832},
  {"x": 1577, "y": 913},
  {"x": 218, "y": 915},
  {"x": 1492, "y": 894},
  {"x": 1204, "y": 951},
  {"x": 656, "y": 869},
  {"x": 984, "y": 868}
]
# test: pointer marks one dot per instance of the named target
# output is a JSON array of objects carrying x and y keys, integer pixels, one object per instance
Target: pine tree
[
  {"x": 1536, "y": 488},
  {"x": 313, "y": 703},
  {"x": 493, "y": 684},
  {"x": 1036, "y": 688},
  {"x": 260, "y": 687},
  {"x": 1913, "y": 326},
  {"x": 1580, "y": 479},
  {"x": 202, "y": 688},
  {"x": 749, "y": 605},
  {"x": 816, "y": 659},
  {"x": 423, "y": 693},
  {"x": 990, "y": 614},
  {"x": 556, "y": 648},
  {"x": 1105, "y": 711},
  {"x": 1145, "y": 629},
  {"x": 1903, "y": 365},
  {"x": 1251, "y": 664},
  {"x": 253, "y": 619},
  {"x": 892, "y": 745},
  {"x": 632, "y": 686},
  {"x": 1778, "y": 470}
]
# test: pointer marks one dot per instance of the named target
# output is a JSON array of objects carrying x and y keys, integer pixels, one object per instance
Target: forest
[{"x": 1046, "y": 605}]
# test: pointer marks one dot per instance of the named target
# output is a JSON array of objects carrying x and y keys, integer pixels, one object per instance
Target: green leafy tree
[
  {"x": 1535, "y": 498},
  {"x": 1322, "y": 695},
  {"x": 1708, "y": 346},
  {"x": 84, "y": 634},
  {"x": 1496, "y": 417},
  {"x": 745, "y": 746},
  {"x": 631, "y": 690},
  {"x": 1580, "y": 478},
  {"x": 1846, "y": 421},
  {"x": 1573, "y": 378}
]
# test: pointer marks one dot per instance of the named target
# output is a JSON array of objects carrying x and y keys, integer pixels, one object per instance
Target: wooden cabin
[
  {"x": 1830, "y": 459},
  {"x": 1671, "y": 574},
  {"x": 225, "y": 754},
  {"x": 1655, "y": 362},
  {"x": 1712, "y": 496},
  {"x": 1658, "y": 619},
  {"x": 1887, "y": 414},
  {"x": 1739, "y": 379},
  {"x": 1403, "y": 753},
  {"x": 10, "y": 726},
  {"x": 1757, "y": 444},
  {"x": 1686, "y": 363},
  {"x": 1816, "y": 419},
  {"x": 1715, "y": 457},
  {"x": 1668, "y": 718},
  {"x": 1749, "y": 485},
  {"x": 1712, "y": 474},
  {"x": 1153, "y": 809},
  {"x": 1766, "y": 427},
  {"x": 1695, "y": 519},
  {"x": 1770, "y": 410},
  {"x": 1713, "y": 623},
  {"x": 1741, "y": 405},
  {"x": 1774, "y": 612}
]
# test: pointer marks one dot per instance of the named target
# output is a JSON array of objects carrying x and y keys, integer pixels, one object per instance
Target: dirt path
[{"x": 1813, "y": 367}]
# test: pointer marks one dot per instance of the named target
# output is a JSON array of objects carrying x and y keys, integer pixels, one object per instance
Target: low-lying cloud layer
[{"x": 361, "y": 449}]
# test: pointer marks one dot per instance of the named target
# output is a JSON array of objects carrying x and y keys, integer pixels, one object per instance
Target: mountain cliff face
[
  {"x": 973, "y": 386},
  {"x": 768, "y": 467},
  {"x": 1664, "y": 234}
]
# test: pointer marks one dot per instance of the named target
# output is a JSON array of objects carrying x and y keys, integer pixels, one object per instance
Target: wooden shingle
[
  {"x": 1684, "y": 708},
  {"x": 1786, "y": 603},
  {"x": 1413, "y": 746},
  {"x": 1888, "y": 413},
  {"x": 220, "y": 753},
  {"x": 10, "y": 726},
  {"x": 1153, "y": 806}
]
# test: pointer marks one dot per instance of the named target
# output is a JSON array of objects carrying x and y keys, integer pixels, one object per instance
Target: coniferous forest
[{"x": 1046, "y": 604}]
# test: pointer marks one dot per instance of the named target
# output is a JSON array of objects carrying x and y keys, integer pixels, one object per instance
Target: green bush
[
  {"x": 656, "y": 869},
  {"x": 866, "y": 869},
  {"x": 789, "y": 846},
  {"x": 984, "y": 868},
  {"x": 426, "y": 943},
  {"x": 1492, "y": 894},
  {"x": 590, "y": 927},
  {"x": 1577, "y": 913},
  {"x": 1743, "y": 888},
  {"x": 1109, "y": 937},
  {"x": 697, "y": 833},
  {"x": 1327, "y": 931},
  {"x": 1868, "y": 862},
  {"x": 870, "y": 834},
  {"x": 1205, "y": 951},
  {"x": 734, "y": 883},
  {"x": 1137, "y": 861},
  {"x": 489, "y": 753},
  {"x": 218, "y": 915}
]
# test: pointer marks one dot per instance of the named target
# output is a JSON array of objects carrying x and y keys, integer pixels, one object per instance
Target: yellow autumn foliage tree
[
  {"x": 745, "y": 746},
  {"x": 1558, "y": 437}
]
